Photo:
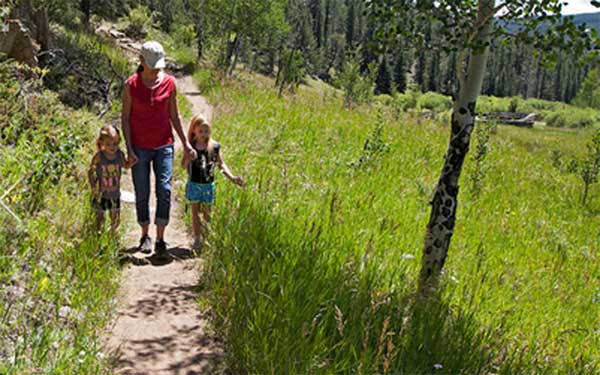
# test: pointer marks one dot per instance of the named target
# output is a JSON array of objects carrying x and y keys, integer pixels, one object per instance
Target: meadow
[{"x": 312, "y": 268}]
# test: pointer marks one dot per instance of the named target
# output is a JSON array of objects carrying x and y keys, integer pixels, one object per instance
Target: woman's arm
[
  {"x": 176, "y": 123},
  {"x": 125, "y": 115}
]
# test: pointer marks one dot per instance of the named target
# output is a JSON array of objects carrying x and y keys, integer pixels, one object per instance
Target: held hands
[
  {"x": 128, "y": 163},
  {"x": 132, "y": 159},
  {"x": 190, "y": 152}
]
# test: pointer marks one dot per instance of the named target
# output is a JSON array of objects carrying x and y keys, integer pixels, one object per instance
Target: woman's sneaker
[
  {"x": 145, "y": 244},
  {"x": 160, "y": 249}
]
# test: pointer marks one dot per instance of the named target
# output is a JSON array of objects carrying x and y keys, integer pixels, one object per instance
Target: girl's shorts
[
  {"x": 200, "y": 193},
  {"x": 105, "y": 204}
]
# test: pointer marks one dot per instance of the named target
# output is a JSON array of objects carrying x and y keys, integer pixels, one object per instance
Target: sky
[{"x": 579, "y": 6}]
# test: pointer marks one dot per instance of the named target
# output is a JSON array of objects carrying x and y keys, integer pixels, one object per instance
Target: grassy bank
[
  {"x": 57, "y": 276},
  {"x": 313, "y": 266}
]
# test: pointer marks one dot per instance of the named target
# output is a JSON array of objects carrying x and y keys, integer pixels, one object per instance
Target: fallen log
[{"x": 525, "y": 120}]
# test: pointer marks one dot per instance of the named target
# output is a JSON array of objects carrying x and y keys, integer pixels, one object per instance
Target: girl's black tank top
[{"x": 202, "y": 169}]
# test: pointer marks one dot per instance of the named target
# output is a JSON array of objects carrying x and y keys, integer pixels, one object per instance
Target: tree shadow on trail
[
  {"x": 172, "y": 300},
  {"x": 180, "y": 345}
]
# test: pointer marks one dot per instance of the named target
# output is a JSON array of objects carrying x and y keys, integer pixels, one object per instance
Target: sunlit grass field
[{"x": 312, "y": 267}]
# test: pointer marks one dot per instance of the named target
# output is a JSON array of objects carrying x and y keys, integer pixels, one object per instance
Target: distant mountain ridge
[{"x": 591, "y": 19}]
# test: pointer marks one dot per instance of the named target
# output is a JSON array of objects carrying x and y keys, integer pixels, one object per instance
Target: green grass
[
  {"x": 553, "y": 114},
  {"x": 57, "y": 277},
  {"x": 313, "y": 265}
]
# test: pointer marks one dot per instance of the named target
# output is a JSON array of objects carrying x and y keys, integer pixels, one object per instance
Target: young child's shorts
[
  {"x": 200, "y": 193},
  {"x": 105, "y": 204}
]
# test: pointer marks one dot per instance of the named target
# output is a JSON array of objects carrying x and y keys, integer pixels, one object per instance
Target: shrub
[
  {"x": 515, "y": 104},
  {"x": 540, "y": 105},
  {"x": 481, "y": 166},
  {"x": 572, "y": 118},
  {"x": 375, "y": 145},
  {"x": 358, "y": 88},
  {"x": 589, "y": 93},
  {"x": 491, "y": 104},
  {"x": 184, "y": 35},
  {"x": 588, "y": 168},
  {"x": 294, "y": 70},
  {"x": 139, "y": 21},
  {"x": 408, "y": 100},
  {"x": 434, "y": 101},
  {"x": 384, "y": 99}
]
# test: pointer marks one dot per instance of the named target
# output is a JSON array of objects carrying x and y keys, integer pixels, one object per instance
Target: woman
[{"x": 149, "y": 114}]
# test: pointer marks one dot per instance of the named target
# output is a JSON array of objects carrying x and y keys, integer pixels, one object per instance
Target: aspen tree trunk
[
  {"x": 200, "y": 31},
  {"x": 444, "y": 203}
]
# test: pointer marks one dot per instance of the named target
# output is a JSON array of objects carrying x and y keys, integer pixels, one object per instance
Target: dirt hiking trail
[{"x": 158, "y": 327}]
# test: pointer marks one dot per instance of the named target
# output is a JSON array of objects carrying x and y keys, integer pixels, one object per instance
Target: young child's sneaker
[
  {"x": 160, "y": 249},
  {"x": 145, "y": 244}
]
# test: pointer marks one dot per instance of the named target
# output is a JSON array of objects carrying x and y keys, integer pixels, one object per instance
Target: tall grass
[
  {"x": 56, "y": 275},
  {"x": 313, "y": 266}
]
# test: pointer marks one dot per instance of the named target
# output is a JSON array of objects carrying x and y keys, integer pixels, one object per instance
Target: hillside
[{"x": 592, "y": 20}]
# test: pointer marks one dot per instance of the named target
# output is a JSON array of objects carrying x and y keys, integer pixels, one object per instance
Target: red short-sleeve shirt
[{"x": 150, "y": 121}]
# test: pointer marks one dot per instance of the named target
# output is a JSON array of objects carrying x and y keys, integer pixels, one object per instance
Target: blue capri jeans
[{"x": 161, "y": 160}]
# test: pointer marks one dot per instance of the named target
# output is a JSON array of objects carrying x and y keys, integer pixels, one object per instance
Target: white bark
[{"x": 443, "y": 206}]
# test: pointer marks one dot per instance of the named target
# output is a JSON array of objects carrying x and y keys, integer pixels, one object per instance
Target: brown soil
[{"x": 158, "y": 327}]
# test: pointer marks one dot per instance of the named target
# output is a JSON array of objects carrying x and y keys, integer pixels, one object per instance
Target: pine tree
[
  {"x": 558, "y": 92},
  {"x": 316, "y": 11},
  {"x": 434, "y": 76},
  {"x": 383, "y": 82},
  {"x": 350, "y": 19},
  {"x": 400, "y": 71},
  {"x": 589, "y": 92}
]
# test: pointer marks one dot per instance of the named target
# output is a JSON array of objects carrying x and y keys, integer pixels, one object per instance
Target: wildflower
[{"x": 63, "y": 312}]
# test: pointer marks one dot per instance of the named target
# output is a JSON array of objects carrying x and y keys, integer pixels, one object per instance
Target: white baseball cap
[{"x": 153, "y": 54}]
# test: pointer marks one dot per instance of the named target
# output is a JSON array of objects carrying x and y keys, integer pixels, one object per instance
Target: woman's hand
[
  {"x": 191, "y": 153},
  {"x": 132, "y": 158}
]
